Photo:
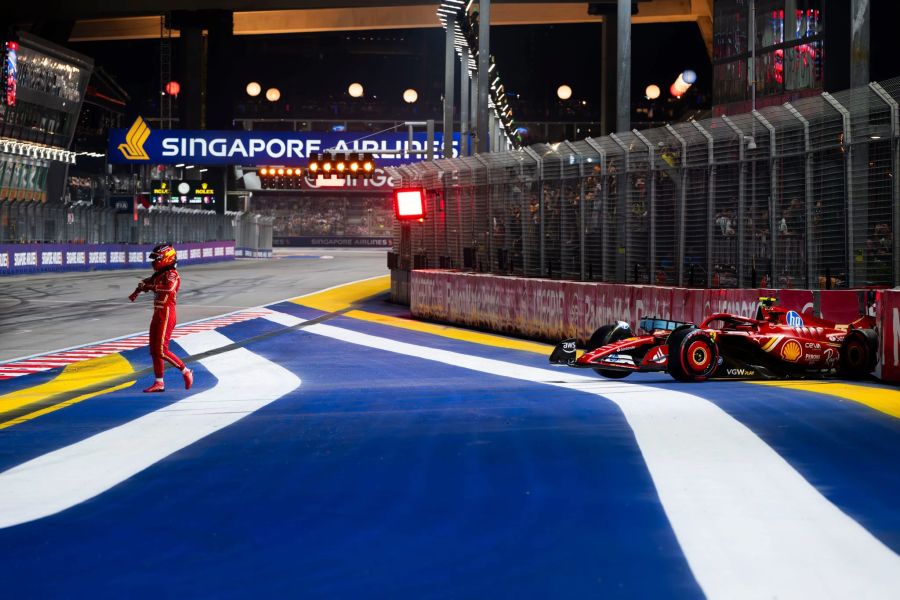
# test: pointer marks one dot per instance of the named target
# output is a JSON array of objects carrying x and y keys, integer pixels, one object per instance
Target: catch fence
[
  {"x": 797, "y": 195},
  {"x": 26, "y": 221}
]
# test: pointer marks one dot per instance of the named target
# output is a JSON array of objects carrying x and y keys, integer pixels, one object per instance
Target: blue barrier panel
[
  {"x": 21, "y": 259},
  {"x": 252, "y": 253}
]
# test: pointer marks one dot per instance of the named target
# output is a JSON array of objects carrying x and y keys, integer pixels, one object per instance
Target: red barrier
[
  {"x": 552, "y": 310},
  {"x": 802, "y": 301},
  {"x": 888, "y": 316},
  {"x": 841, "y": 306}
]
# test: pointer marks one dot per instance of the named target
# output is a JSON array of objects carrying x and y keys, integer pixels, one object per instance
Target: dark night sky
[{"x": 533, "y": 61}]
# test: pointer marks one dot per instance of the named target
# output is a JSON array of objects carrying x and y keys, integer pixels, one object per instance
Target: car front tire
[{"x": 693, "y": 355}]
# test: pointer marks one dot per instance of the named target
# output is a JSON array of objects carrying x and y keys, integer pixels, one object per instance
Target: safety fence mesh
[
  {"x": 797, "y": 195},
  {"x": 29, "y": 221}
]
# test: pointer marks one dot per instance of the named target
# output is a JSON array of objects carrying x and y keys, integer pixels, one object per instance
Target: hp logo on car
[{"x": 794, "y": 319}]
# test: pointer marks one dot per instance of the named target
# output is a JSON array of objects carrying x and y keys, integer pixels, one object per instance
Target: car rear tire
[
  {"x": 859, "y": 354},
  {"x": 693, "y": 355},
  {"x": 607, "y": 335}
]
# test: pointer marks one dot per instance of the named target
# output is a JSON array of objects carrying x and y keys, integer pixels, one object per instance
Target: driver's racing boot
[{"x": 158, "y": 386}]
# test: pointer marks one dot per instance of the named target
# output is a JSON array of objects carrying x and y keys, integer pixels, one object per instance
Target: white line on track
[
  {"x": 748, "y": 523},
  {"x": 118, "y": 302},
  {"x": 66, "y": 477},
  {"x": 234, "y": 315}
]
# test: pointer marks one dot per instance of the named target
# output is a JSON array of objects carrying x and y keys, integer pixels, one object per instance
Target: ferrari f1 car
[{"x": 777, "y": 344}]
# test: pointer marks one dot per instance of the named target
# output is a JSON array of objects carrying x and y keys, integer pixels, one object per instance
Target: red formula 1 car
[{"x": 777, "y": 344}]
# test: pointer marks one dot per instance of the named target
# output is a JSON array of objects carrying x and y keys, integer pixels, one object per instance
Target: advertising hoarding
[
  {"x": 141, "y": 144},
  {"x": 10, "y": 74}
]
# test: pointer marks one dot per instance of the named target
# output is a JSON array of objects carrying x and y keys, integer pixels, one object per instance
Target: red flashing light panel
[{"x": 409, "y": 204}]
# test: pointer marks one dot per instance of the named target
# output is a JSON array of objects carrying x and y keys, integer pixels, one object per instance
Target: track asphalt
[{"x": 333, "y": 447}]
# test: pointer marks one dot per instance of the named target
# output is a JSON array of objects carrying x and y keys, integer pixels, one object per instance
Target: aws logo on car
[
  {"x": 133, "y": 148},
  {"x": 791, "y": 351}
]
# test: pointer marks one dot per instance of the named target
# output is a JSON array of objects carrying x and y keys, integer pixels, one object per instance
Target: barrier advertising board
[
  {"x": 333, "y": 241},
  {"x": 18, "y": 259},
  {"x": 141, "y": 144}
]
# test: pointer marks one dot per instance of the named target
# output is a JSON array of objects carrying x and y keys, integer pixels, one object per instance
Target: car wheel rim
[{"x": 698, "y": 356}]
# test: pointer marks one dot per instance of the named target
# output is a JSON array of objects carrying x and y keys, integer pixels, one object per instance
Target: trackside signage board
[{"x": 141, "y": 144}]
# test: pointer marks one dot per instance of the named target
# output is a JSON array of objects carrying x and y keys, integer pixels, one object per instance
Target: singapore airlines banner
[{"x": 141, "y": 144}]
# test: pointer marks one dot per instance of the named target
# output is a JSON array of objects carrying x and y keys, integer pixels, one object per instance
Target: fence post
[
  {"x": 540, "y": 171},
  {"x": 622, "y": 230},
  {"x": 443, "y": 176},
  {"x": 682, "y": 202},
  {"x": 490, "y": 212},
  {"x": 773, "y": 185},
  {"x": 895, "y": 187},
  {"x": 651, "y": 271},
  {"x": 581, "y": 238},
  {"x": 811, "y": 262},
  {"x": 742, "y": 201},
  {"x": 603, "y": 198},
  {"x": 710, "y": 200},
  {"x": 848, "y": 186}
]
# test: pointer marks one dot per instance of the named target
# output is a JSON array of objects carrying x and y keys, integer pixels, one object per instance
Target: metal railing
[
  {"x": 253, "y": 234},
  {"x": 798, "y": 195},
  {"x": 32, "y": 221}
]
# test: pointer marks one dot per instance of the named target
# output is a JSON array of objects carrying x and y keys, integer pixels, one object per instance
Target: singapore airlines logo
[{"x": 133, "y": 148}]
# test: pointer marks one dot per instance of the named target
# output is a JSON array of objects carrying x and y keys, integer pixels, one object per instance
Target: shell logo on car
[{"x": 791, "y": 351}]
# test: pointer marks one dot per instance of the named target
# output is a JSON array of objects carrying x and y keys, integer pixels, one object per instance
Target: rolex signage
[
  {"x": 161, "y": 188},
  {"x": 190, "y": 194}
]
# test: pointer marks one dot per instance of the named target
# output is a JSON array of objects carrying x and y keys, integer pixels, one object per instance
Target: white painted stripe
[
  {"x": 45, "y": 361},
  {"x": 91, "y": 345},
  {"x": 123, "y": 346},
  {"x": 66, "y": 477},
  {"x": 251, "y": 312},
  {"x": 748, "y": 523}
]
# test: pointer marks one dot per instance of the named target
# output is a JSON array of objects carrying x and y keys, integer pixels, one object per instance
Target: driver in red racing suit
[{"x": 164, "y": 283}]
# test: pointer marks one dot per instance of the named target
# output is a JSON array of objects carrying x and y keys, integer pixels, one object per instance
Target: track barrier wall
[
  {"x": 19, "y": 259},
  {"x": 889, "y": 332},
  {"x": 552, "y": 310}
]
